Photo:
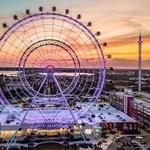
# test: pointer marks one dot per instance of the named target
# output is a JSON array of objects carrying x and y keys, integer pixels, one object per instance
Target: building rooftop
[
  {"x": 106, "y": 113},
  {"x": 99, "y": 113},
  {"x": 140, "y": 98}
]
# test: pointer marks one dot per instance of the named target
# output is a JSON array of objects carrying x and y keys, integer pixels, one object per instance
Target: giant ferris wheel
[{"x": 55, "y": 59}]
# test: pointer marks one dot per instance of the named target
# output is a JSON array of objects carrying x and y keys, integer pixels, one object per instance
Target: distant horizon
[{"x": 107, "y": 68}]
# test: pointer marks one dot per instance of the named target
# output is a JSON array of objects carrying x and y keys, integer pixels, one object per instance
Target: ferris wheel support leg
[
  {"x": 81, "y": 131},
  {"x": 41, "y": 111},
  {"x": 36, "y": 103},
  {"x": 55, "y": 115},
  {"x": 22, "y": 121}
]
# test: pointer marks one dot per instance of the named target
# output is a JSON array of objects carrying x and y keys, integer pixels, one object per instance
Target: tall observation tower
[{"x": 140, "y": 61}]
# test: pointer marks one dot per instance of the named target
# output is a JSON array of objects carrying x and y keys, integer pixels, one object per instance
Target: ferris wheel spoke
[
  {"x": 48, "y": 88},
  {"x": 51, "y": 86},
  {"x": 62, "y": 82},
  {"x": 52, "y": 37},
  {"x": 33, "y": 62},
  {"x": 75, "y": 39},
  {"x": 57, "y": 83},
  {"x": 39, "y": 59},
  {"x": 22, "y": 42},
  {"x": 62, "y": 79},
  {"x": 11, "y": 44},
  {"x": 61, "y": 29},
  {"x": 41, "y": 85},
  {"x": 57, "y": 89},
  {"x": 70, "y": 30},
  {"x": 45, "y": 37},
  {"x": 37, "y": 81},
  {"x": 13, "y": 55},
  {"x": 43, "y": 57},
  {"x": 37, "y": 92},
  {"x": 30, "y": 37},
  {"x": 5, "y": 62}
]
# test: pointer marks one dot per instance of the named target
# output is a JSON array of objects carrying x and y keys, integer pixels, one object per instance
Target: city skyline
[{"x": 118, "y": 22}]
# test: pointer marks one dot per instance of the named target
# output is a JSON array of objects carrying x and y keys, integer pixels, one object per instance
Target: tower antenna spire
[{"x": 139, "y": 60}]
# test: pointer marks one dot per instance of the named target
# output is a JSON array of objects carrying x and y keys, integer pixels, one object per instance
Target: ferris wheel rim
[
  {"x": 98, "y": 50},
  {"x": 77, "y": 66}
]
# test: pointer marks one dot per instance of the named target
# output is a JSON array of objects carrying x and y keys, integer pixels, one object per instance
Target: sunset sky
[{"x": 119, "y": 22}]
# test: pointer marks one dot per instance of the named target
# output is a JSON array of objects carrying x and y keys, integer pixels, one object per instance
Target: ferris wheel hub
[{"x": 50, "y": 69}]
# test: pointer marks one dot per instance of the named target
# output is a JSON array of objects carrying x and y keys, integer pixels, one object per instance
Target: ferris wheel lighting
[
  {"x": 89, "y": 24},
  {"x": 57, "y": 57},
  {"x": 78, "y": 16},
  {"x": 41, "y": 9},
  {"x": 53, "y": 8},
  {"x": 4, "y": 25},
  {"x": 28, "y": 12},
  {"x": 67, "y": 11},
  {"x": 15, "y": 17},
  {"x": 51, "y": 67}
]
